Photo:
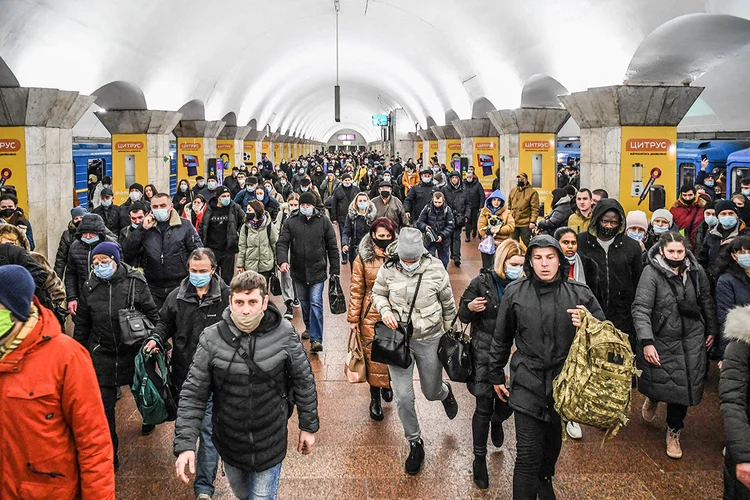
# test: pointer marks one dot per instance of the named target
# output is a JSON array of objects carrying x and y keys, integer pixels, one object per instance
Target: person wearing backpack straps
[
  {"x": 113, "y": 286},
  {"x": 192, "y": 307},
  {"x": 258, "y": 238},
  {"x": 253, "y": 365},
  {"x": 675, "y": 320},
  {"x": 540, "y": 313},
  {"x": 479, "y": 305}
]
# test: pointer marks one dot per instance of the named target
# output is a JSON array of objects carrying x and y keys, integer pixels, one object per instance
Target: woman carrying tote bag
[{"x": 434, "y": 308}]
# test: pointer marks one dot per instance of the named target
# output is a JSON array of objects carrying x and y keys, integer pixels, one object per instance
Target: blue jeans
[
  {"x": 207, "y": 458},
  {"x": 443, "y": 252},
  {"x": 253, "y": 485},
  {"x": 311, "y": 300}
]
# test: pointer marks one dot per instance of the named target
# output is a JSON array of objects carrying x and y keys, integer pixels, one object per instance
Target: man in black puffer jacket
[
  {"x": 543, "y": 335},
  {"x": 456, "y": 198},
  {"x": 220, "y": 228},
  {"x": 475, "y": 198},
  {"x": 91, "y": 231},
  {"x": 66, "y": 238},
  {"x": 341, "y": 198},
  {"x": 254, "y": 367},
  {"x": 437, "y": 222},
  {"x": 420, "y": 195},
  {"x": 163, "y": 241}
]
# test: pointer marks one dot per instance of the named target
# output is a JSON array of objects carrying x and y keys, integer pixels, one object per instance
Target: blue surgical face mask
[
  {"x": 387, "y": 178},
  {"x": 635, "y": 236},
  {"x": 104, "y": 271},
  {"x": 224, "y": 201},
  {"x": 427, "y": 180},
  {"x": 711, "y": 220},
  {"x": 743, "y": 260},
  {"x": 199, "y": 280},
  {"x": 409, "y": 267},
  {"x": 362, "y": 206},
  {"x": 106, "y": 203},
  {"x": 660, "y": 229},
  {"x": 306, "y": 211},
  {"x": 135, "y": 195},
  {"x": 513, "y": 272},
  {"x": 709, "y": 183},
  {"x": 90, "y": 241},
  {"x": 161, "y": 214},
  {"x": 201, "y": 183},
  {"x": 572, "y": 258},
  {"x": 728, "y": 221},
  {"x": 183, "y": 187},
  {"x": 304, "y": 189},
  {"x": 283, "y": 183},
  {"x": 211, "y": 185}
]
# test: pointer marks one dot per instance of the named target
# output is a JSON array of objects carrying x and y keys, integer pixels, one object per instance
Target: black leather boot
[
  {"x": 376, "y": 409},
  {"x": 387, "y": 395},
  {"x": 481, "y": 476}
]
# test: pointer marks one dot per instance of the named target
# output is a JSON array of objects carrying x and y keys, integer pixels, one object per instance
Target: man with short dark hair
[
  {"x": 163, "y": 241},
  {"x": 10, "y": 213},
  {"x": 232, "y": 183},
  {"x": 135, "y": 195},
  {"x": 195, "y": 305},
  {"x": 598, "y": 195},
  {"x": 251, "y": 342},
  {"x": 200, "y": 184},
  {"x": 389, "y": 206},
  {"x": 687, "y": 212},
  {"x": 210, "y": 190},
  {"x": 437, "y": 222},
  {"x": 107, "y": 210},
  {"x": 420, "y": 195},
  {"x": 580, "y": 220}
]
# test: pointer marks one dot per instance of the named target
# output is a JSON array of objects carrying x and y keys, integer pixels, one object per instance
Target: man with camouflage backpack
[{"x": 543, "y": 336}]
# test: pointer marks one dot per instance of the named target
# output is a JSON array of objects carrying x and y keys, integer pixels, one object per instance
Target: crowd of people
[{"x": 199, "y": 266}]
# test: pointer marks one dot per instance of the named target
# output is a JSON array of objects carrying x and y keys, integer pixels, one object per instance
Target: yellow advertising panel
[
  {"x": 284, "y": 151},
  {"x": 433, "y": 149},
  {"x": 265, "y": 148},
  {"x": 225, "y": 153},
  {"x": 485, "y": 160},
  {"x": 13, "y": 162},
  {"x": 538, "y": 160},
  {"x": 452, "y": 151},
  {"x": 276, "y": 152},
  {"x": 129, "y": 164},
  {"x": 248, "y": 155},
  {"x": 190, "y": 162},
  {"x": 643, "y": 150},
  {"x": 420, "y": 149}
]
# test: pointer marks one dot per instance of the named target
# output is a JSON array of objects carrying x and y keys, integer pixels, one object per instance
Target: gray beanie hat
[{"x": 410, "y": 246}]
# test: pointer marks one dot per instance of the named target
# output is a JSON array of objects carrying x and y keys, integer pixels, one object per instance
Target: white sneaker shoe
[{"x": 573, "y": 430}]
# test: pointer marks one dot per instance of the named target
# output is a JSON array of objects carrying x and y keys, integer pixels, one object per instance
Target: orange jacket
[{"x": 54, "y": 438}]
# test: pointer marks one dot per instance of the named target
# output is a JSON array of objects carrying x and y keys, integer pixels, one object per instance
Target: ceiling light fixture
[{"x": 337, "y": 88}]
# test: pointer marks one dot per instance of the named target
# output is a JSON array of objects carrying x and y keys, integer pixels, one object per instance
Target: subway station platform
[{"x": 357, "y": 458}]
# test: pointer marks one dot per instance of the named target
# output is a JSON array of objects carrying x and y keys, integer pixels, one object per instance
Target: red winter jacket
[
  {"x": 688, "y": 217},
  {"x": 54, "y": 439}
]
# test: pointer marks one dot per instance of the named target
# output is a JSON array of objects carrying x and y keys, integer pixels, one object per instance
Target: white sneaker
[{"x": 574, "y": 430}]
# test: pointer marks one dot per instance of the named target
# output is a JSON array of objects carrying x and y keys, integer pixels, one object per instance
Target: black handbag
[
  {"x": 455, "y": 354},
  {"x": 135, "y": 327},
  {"x": 391, "y": 346},
  {"x": 336, "y": 297},
  {"x": 274, "y": 284}
]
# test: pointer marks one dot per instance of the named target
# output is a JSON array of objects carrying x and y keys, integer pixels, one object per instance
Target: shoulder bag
[
  {"x": 454, "y": 353},
  {"x": 391, "y": 346},
  {"x": 135, "y": 327}
]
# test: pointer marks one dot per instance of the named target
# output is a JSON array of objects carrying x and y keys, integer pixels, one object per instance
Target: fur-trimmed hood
[
  {"x": 737, "y": 324},
  {"x": 366, "y": 249},
  {"x": 371, "y": 214},
  {"x": 19, "y": 233}
]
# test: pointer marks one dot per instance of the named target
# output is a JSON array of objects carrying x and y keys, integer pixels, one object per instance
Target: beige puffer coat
[{"x": 257, "y": 251}]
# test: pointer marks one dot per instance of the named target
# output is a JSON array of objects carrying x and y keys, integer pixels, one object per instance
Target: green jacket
[{"x": 257, "y": 251}]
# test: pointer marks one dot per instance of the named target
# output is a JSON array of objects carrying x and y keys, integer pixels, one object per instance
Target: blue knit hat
[
  {"x": 108, "y": 248},
  {"x": 16, "y": 290},
  {"x": 78, "y": 211}
]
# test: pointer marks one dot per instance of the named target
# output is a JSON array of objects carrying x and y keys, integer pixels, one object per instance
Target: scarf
[
  {"x": 256, "y": 223},
  {"x": 576, "y": 268},
  {"x": 500, "y": 283},
  {"x": 12, "y": 344}
]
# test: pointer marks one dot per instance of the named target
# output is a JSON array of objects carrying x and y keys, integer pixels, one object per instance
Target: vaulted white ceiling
[{"x": 274, "y": 61}]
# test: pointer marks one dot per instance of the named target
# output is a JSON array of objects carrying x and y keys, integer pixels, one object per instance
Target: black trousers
[
  {"x": 456, "y": 244},
  {"x": 538, "y": 445},
  {"x": 676, "y": 416},
  {"x": 159, "y": 293},
  {"x": 225, "y": 266},
  {"x": 522, "y": 234},
  {"x": 471, "y": 224},
  {"x": 489, "y": 409},
  {"x": 488, "y": 261},
  {"x": 109, "y": 398}
]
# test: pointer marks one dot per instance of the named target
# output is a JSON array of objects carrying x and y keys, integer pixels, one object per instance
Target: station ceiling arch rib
[
  {"x": 542, "y": 91},
  {"x": 7, "y": 78},
  {"x": 120, "y": 95},
  {"x": 193, "y": 110}
]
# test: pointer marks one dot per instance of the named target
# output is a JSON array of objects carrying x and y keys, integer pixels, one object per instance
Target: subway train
[{"x": 96, "y": 159}]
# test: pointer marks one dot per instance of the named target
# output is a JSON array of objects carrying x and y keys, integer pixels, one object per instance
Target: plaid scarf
[{"x": 14, "y": 342}]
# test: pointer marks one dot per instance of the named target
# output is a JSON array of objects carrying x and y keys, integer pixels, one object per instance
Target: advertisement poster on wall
[
  {"x": 276, "y": 152},
  {"x": 225, "y": 153},
  {"x": 453, "y": 153},
  {"x": 190, "y": 163},
  {"x": 485, "y": 160},
  {"x": 13, "y": 163},
  {"x": 433, "y": 149},
  {"x": 265, "y": 148},
  {"x": 642, "y": 150},
  {"x": 249, "y": 153},
  {"x": 420, "y": 149},
  {"x": 538, "y": 160},
  {"x": 129, "y": 164}
]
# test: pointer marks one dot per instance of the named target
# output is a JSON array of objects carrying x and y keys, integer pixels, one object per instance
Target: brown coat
[
  {"x": 361, "y": 309},
  {"x": 505, "y": 230}
]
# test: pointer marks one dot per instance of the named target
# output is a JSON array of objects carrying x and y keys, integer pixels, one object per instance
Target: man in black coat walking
[
  {"x": 456, "y": 199},
  {"x": 475, "y": 199},
  {"x": 420, "y": 195},
  {"x": 341, "y": 199},
  {"x": 619, "y": 260},
  {"x": 306, "y": 244}
]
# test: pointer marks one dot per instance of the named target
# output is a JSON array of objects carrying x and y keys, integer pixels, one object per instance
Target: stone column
[
  {"x": 231, "y": 141},
  {"x": 479, "y": 142},
  {"x": 514, "y": 126},
  {"x": 196, "y": 138},
  {"x": 626, "y": 124},
  {"x": 449, "y": 143},
  {"x": 36, "y": 156},
  {"x": 141, "y": 137}
]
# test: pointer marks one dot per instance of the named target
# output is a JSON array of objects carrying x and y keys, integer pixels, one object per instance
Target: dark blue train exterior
[{"x": 689, "y": 155}]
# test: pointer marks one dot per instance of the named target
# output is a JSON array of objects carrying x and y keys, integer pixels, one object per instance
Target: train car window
[
  {"x": 738, "y": 174},
  {"x": 687, "y": 174}
]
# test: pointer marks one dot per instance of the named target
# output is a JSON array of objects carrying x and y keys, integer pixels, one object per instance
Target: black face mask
[
  {"x": 606, "y": 232},
  {"x": 385, "y": 194},
  {"x": 250, "y": 216},
  {"x": 521, "y": 184},
  {"x": 383, "y": 244},
  {"x": 7, "y": 212},
  {"x": 674, "y": 263}
]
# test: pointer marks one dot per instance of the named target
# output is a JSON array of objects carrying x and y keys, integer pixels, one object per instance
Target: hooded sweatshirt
[{"x": 496, "y": 221}]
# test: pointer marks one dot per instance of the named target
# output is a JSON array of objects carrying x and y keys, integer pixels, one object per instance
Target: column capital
[
  {"x": 255, "y": 135},
  {"x": 41, "y": 107},
  {"x": 475, "y": 127},
  {"x": 631, "y": 105},
  {"x": 529, "y": 120},
  {"x": 412, "y": 136},
  {"x": 198, "y": 128},
  {"x": 445, "y": 132},
  {"x": 139, "y": 121},
  {"x": 234, "y": 132},
  {"x": 426, "y": 135},
  {"x": 273, "y": 136}
]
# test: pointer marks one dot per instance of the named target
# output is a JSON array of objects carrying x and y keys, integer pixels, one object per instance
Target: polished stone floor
[{"x": 356, "y": 458}]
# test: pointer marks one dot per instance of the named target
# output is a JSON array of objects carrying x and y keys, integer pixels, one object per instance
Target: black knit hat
[
  {"x": 307, "y": 198},
  {"x": 137, "y": 186},
  {"x": 725, "y": 205},
  {"x": 17, "y": 291}
]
